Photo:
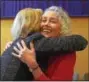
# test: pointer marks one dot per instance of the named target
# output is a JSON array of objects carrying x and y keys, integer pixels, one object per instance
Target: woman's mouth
[{"x": 46, "y": 30}]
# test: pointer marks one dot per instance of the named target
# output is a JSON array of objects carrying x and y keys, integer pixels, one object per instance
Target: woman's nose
[{"x": 47, "y": 23}]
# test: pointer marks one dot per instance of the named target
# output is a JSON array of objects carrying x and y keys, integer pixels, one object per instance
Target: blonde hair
[
  {"x": 63, "y": 17},
  {"x": 26, "y": 21}
]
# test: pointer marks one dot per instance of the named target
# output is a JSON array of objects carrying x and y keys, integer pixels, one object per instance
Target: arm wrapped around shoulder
[{"x": 63, "y": 43}]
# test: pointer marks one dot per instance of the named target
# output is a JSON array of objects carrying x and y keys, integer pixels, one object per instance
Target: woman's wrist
[
  {"x": 34, "y": 68},
  {"x": 37, "y": 72}
]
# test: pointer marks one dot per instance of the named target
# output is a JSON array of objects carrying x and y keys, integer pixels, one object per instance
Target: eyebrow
[{"x": 52, "y": 18}]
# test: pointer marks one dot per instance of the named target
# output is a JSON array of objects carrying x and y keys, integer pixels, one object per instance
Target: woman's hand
[
  {"x": 26, "y": 55},
  {"x": 8, "y": 44}
]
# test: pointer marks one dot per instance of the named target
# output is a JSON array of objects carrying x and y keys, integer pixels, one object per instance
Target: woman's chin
[{"x": 45, "y": 34}]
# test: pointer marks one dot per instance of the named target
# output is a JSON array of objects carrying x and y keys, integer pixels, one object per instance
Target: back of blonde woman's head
[{"x": 26, "y": 21}]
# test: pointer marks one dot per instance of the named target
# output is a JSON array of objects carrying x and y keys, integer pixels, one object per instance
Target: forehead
[{"x": 50, "y": 14}]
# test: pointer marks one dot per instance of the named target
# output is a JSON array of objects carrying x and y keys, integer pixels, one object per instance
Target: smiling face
[{"x": 50, "y": 24}]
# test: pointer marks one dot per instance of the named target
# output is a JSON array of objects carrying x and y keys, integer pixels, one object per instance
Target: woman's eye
[
  {"x": 53, "y": 21},
  {"x": 43, "y": 20}
]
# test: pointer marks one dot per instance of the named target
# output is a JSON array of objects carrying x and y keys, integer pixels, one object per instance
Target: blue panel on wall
[
  {"x": 74, "y": 7},
  {"x": 85, "y": 8}
]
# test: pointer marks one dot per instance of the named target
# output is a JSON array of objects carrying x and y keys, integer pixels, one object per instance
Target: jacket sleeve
[
  {"x": 11, "y": 68},
  {"x": 63, "y": 69},
  {"x": 62, "y": 44}
]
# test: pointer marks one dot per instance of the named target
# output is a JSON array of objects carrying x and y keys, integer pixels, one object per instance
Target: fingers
[
  {"x": 32, "y": 46},
  {"x": 23, "y": 44},
  {"x": 15, "y": 49},
  {"x": 19, "y": 46},
  {"x": 19, "y": 55},
  {"x": 8, "y": 45},
  {"x": 19, "y": 51},
  {"x": 22, "y": 48},
  {"x": 14, "y": 54}
]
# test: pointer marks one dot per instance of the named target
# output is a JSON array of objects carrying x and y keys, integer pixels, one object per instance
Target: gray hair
[{"x": 63, "y": 17}]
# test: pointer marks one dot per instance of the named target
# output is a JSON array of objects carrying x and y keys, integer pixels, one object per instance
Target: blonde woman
[
  {"x": 27, "y": 21},
  {"x": 58, "y": 66}
]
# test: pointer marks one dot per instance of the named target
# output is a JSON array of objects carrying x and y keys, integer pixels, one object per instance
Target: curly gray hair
[{"x": 63, "y": 17}]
